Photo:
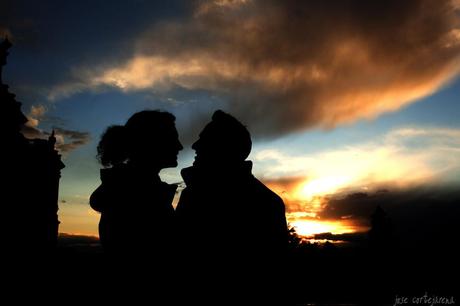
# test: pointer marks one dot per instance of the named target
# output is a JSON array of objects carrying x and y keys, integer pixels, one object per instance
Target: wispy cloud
[
  {"x": 66, "y": 140},
  {"x": 30, "y": 128},
  {"x": 69, "y": 140}
]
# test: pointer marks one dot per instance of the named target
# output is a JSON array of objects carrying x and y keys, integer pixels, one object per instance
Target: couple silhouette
[{"x": 227, "y": 223}]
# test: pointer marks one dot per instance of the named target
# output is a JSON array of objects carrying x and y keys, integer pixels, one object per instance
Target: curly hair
[{"x": 115, "y": 146}]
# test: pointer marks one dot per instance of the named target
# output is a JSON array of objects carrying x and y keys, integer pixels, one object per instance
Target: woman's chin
[{"x": 172, "y": 164}]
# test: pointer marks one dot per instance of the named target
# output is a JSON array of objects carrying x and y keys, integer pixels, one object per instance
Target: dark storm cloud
[
  {"x": 280, "y": 66},
  {"x": 290, "y": 65},
  {"x": 417, "y": 214},
  {"x": 348, "y": 237},
  {"x": 52, "y": 38},
  {"x": 358, "y": 205},
  {"x": 361, "y": 205}
]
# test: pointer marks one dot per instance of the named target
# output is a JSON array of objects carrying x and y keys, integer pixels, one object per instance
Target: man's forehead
[{"x": 208, "y": 130}]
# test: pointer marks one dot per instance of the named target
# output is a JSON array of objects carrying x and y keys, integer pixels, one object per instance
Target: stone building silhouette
[{"x": 30, "y": 179}]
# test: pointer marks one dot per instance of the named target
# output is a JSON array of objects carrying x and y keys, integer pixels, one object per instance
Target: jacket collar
[{"x": 216, "y": 175}]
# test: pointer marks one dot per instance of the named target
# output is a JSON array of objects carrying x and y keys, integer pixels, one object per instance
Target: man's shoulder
[{"x": 266, "y": 193}]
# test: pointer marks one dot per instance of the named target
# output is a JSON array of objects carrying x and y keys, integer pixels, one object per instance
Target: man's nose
[{"x": 179, "y": 146}]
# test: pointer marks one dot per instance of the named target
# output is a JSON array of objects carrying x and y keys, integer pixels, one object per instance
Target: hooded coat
[
  {"x": 228, "y": 212},
  {"x": 233, "y": 233},
  {"x": 137, "y": 216}
]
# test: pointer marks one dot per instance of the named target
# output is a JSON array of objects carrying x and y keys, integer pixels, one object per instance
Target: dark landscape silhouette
[
  {"x": 31, "y": 173},
  {"x": 227, "y": 241}
]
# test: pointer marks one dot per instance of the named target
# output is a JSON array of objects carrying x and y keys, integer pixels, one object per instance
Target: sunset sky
[{"x": 340, "y": 97}]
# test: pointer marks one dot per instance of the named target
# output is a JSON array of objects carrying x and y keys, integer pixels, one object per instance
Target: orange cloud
[
  {"x": 289, "y": 65},
  {"x": 310, "y": 185},
  {"x": 395, "y": 160},
  {"x": 35, "y": 114},
  {"x": 311, "y": 227}
]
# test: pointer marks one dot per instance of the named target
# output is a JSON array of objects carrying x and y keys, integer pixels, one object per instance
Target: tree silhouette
[
  {"x": 380, "y": 234},
  {"x": 294, "y": 240}
]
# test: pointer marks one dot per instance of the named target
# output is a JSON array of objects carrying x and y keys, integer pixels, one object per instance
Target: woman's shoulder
[{"x": 115, "y": 184}]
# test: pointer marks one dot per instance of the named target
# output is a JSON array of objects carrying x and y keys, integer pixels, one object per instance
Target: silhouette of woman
[{"x": 137, "y": 218}]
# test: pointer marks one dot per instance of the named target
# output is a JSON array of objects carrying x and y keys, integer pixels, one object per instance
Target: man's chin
[{"x": 204, "y": 164}]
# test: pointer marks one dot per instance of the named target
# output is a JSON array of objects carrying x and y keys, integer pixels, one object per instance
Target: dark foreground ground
[{"x": 327, "y": 274}]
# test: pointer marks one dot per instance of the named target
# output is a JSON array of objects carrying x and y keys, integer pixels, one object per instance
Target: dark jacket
[
  {"x": 233, "y": 234},
  {"x": 137, "y": 216},
  {"x": 228, "y": 212}
]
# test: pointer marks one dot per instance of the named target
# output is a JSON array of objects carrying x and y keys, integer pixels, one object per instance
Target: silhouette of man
[
  {"x": 232, "y": 225},
  {"x": 137, "y": 216}
]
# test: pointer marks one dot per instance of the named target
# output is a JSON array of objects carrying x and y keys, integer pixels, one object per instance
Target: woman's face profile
[
  {"x": 158, "y": 149},
  {"x": 168, "y": 151}
]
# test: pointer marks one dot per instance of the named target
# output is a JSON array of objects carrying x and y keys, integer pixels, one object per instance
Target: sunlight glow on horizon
[
  {"x": 309, "y": 228},
  {"x": 307, "y": 183},
  {"x": 321, "y": 186}
]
